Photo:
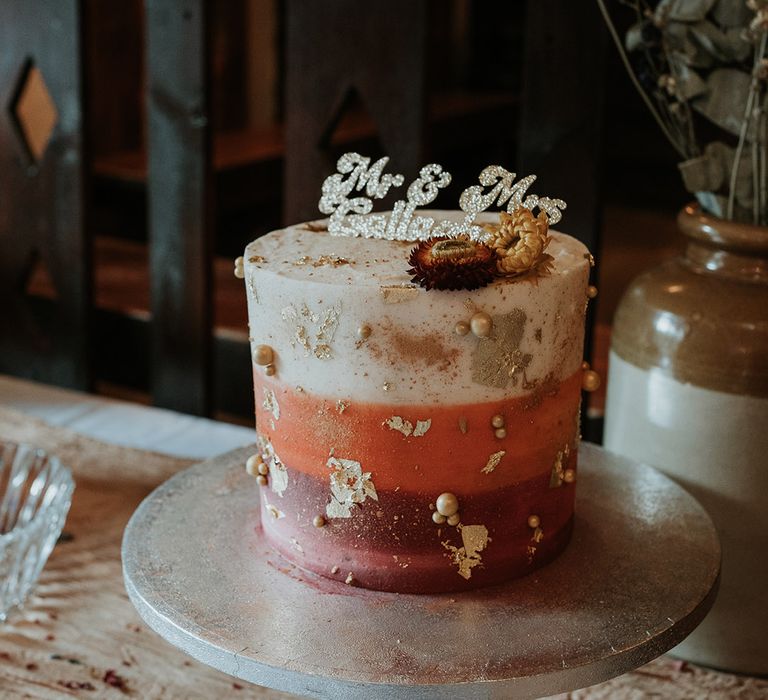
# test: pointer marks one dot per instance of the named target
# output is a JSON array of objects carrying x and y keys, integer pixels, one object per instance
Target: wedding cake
[{"x": 418, "y": 378}]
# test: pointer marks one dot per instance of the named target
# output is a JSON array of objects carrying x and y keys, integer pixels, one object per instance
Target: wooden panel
[
  {"x": 562, "y": 108},
  {"x": 180, "y": 202},
  {"x": 42, "y": 200},
  {"x": 374, "y": 49},
  {"x": 115, "y": 74}
]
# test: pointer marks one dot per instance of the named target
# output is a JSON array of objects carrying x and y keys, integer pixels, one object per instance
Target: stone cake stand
[{"x": 640, "y": 573}]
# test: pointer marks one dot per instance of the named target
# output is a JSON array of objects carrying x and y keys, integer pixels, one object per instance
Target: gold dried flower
[{"x": 520, "y": 243}]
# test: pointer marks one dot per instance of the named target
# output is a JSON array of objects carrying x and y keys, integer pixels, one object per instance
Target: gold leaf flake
[
  {"x": 421, "y": 427},
  {"x": 493, "y": 462},
  {"x": 303, "y": 340},
  {"x": 278, "y": 477},
  {"x": 312, "y": 331},
  {"x": 296, "y": 545},
  {"x": 252, "y": 289},
  {"x": 474, "y": 539},
  {"x": 497, "y": 358},
  {"x": 398, "y": 294},
  {"x": 288, "y": 313},
  {"x": 406, "y": 427},
  {"x": 349, "y": 486},
  {"x": 257, "y": 259},
  {"x": 332, "y": 260},
  {"x": 276, "y": 513},
  {"x": 538, "y": 535},
  {"x": 278, "y": 474},
  {"x": 270, "y": 403},
  {"x": 556, "y": 476},
  {"x": 397, "y": 423},
  {"x": 463, "y": 425},
  {"x": 342, "y": 406},
  {"x": 329, "y": 323}
]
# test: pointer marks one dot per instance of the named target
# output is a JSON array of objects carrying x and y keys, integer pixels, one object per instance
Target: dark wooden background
[{"x": 116, "y": 246}]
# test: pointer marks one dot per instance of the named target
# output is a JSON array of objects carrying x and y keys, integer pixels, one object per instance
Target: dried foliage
[{"x": 700, "y": 67}]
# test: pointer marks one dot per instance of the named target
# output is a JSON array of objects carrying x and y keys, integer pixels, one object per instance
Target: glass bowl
[{"x": 35, "y": 495}]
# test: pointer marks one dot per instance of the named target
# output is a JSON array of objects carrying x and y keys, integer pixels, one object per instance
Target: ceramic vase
[{"x": 688, "y": 393}]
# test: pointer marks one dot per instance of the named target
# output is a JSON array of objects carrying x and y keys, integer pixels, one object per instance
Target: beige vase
[{"x": 688, "y": 393}]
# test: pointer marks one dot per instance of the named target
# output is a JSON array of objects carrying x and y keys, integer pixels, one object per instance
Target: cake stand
[{"x": 639, "y": 575}]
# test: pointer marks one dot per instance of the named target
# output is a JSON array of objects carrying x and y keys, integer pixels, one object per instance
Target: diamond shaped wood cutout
[{"x": 34, "y": 112}]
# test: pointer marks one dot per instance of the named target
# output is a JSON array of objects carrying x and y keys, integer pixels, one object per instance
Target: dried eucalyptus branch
[
  {"x": 748, "y": 115},
  {"x": 695, "y": 61}
]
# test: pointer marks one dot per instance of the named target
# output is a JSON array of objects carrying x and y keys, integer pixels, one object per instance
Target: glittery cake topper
[{"x": 351, "y": 216}]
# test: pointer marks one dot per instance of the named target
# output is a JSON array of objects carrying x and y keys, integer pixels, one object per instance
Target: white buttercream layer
[{"x": 310, "y": 294}]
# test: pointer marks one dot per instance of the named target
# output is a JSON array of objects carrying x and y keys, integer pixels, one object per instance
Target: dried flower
[
  {"x": 520, "y": 242},
  {"x": 452, "y": 263}
]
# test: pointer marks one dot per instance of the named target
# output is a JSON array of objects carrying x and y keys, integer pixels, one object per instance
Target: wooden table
[{"x": 79, "y": 636}]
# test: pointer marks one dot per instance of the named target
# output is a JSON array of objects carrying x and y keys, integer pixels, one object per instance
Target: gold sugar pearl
[
  {"x": 534, "y": 521},
  {"x": 500, "y": 433},
  {"x": 447, "y": 504},
  {"x": 461, "y": 328},
  {"x": 269, "y": 370},
  {"x": 261, "y": 480},
  {"x": 239, "y": 268},
  {"x": 263, "y": 469},
  {"x": 263, "y": 355},
  {"x": 364, "y": 332},
  {"x": 455, "y": 519},
  {"x": 481, "y": 324},
  {"x": 569, "y": 476},
  {"x": 591, "y": 291},
  {"x": 590, "y": 381},
  {"x": 252, "y": 464},
  {"x": 585, "y": 365},
  {"x": 497, "y": 421},
  {"x": 318, "y": 521},
  {"x": 437, "y": 518}
]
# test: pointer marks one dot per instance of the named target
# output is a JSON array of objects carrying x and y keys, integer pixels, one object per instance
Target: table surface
[
  {"x": 219, "y": 595},
  {"x": 79, "y": 636}
]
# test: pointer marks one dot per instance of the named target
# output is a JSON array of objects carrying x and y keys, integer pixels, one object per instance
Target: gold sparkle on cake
[
  {"x": 493, "y": 461},
  {"x": 350, "y": 487},
  {"x": 496, "y": 355},
  {"x": 557, "y": 475},
  {"x": 407, "y": 428},
  {"x": 474, "y": 540}
]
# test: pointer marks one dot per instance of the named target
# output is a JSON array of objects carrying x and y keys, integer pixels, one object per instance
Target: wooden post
[
  {"x": 43, "y": 207},
  {"x": 562, "y": 121},
  {"x": 180, "y": 194},
  {"x": 335, "y": 48}
]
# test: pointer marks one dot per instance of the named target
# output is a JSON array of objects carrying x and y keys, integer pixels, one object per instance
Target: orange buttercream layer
[{"x": 455, "y": 451}]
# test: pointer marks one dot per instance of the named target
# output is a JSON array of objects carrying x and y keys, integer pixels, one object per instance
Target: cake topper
[{"x": 351, "y": 215}]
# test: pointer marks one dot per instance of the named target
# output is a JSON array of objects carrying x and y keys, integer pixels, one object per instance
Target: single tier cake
[{"x": 413, "y": 440}]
